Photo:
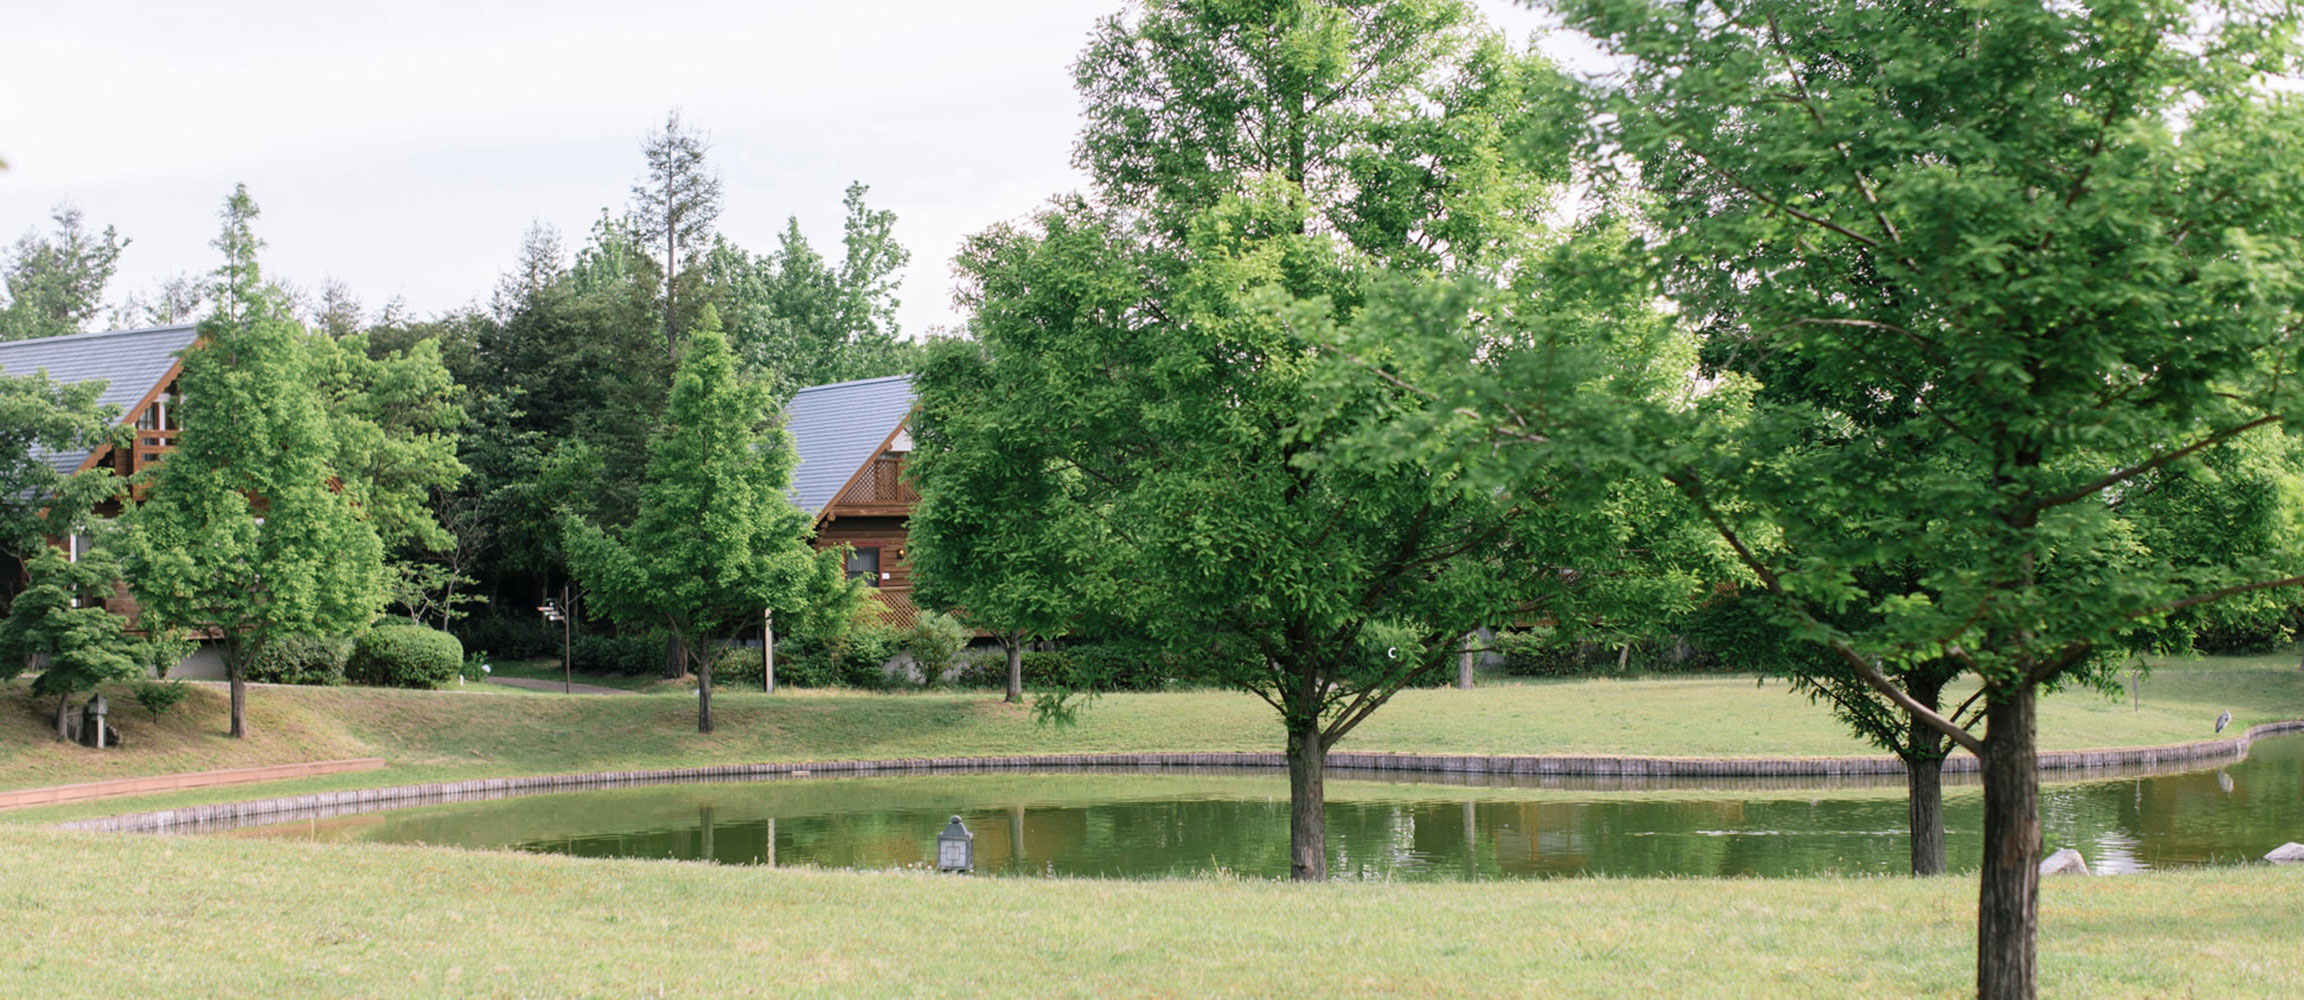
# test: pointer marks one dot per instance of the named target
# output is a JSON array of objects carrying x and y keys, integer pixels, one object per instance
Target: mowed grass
[
  {"x": 437, "y": 735},
  {"x": 212, "y": 917}
]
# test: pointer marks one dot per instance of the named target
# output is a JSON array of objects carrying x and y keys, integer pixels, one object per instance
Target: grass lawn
[
  {"x": 211, "y": 917},
  {"x": 472, "y": 732}
]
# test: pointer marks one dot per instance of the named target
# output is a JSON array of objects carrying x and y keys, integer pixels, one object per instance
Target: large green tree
[
  {"x": 716, "y": 540},
  {"x": 2027, "y": 259},
  {"x": 245, "y": 533},
  {"x": 986, "y": 542},
  {"x": 55, "y": 283},
  {"x": 1167, "y": 349}
]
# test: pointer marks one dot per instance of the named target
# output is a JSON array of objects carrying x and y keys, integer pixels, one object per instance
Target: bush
[
  {"x": 405, "y": 656},
  {"x": 854, "y": 661},
  {"x": 936, "y": 643},
  {"x": 740, "y": 665},
  {"x": 158, "y": 697},
  {"x": 635, "y": 655},
  {"x": 302, "y": 659},
  {"x": 1539, "y": 652}
]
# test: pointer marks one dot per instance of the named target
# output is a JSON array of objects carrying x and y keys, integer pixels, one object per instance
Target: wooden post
[
  {"x": 768, "y": 650},
  {"x": 567, "y": 642}
]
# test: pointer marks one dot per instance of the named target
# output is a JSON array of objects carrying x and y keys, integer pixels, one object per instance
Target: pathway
[{"x": 555, "y": 687}]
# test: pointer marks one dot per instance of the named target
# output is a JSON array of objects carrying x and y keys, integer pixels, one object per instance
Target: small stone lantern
[
  {"x": 92, "y": 722},
  {"x": 955, "y": 848}
]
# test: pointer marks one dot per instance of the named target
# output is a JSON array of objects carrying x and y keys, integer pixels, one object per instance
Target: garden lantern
[{"x": 955, "y": 848}]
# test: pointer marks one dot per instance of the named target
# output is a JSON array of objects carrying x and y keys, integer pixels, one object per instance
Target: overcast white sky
[{"x": 403, "y": 147}]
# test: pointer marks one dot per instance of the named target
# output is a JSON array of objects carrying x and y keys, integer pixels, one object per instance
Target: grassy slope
[
  {"x": 428, "y": 735},
  {"x": 199, "y": 917}
]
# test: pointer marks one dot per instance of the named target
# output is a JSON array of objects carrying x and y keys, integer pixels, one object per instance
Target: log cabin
[{"x": 852, "y": 439}]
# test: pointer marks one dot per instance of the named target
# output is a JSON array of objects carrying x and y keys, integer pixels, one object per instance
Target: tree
[
  {"x": 798, "y": 320},
  {"x": 1167, "y": 349},
  {"x": 176, "y": 299},
  {"x": 716, "y": 539},
  {"x": 675, "y": 208},
  {"x": 395, "y": 422},
  {"x": 2030, "y": 259},
  {"x": 982, "y": 545},
  {"x": 60, "y": 620},
  {"x": 241, "y": 532},
  {"x": 56, "y": 284},
  {"x": 38, "y": 417}
]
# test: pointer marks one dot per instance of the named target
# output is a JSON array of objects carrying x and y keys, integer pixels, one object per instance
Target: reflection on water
[{"x": 1168, "y": 823}]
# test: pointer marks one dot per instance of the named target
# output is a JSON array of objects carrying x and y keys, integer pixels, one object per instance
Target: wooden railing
[
  {"x": 151, "y": 444},
  {"x": 882, "y": 483}
]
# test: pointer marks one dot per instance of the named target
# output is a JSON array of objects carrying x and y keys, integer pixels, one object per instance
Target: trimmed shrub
[
  {"x": 302, "y": 659},
  {"x": 409, "y": 656}
]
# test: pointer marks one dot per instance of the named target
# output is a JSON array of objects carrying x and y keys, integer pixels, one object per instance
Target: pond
[{"x": 1176, "y": 822}]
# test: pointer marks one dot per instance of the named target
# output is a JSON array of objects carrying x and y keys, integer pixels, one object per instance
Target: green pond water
[{"x": 1170, "y": 823}]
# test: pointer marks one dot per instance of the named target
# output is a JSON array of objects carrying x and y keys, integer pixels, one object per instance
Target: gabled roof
[
  {"x": 131, "y": 363},
  {"x": 837, "y": 428}
]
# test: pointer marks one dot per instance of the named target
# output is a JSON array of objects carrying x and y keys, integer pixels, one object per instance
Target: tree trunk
[
  {"x": 238, "y": 675},
  {"x": 704, "y": 693},
  {"x": 1015, "y": 647},
  {"x": 64, "y": 717},
  {"x": 2008, "y": 899},
  {"x": 1924, "y": 786},
  {"x": 1923, "y": 755},
  {"x": 1307, "y": 803},
  {"x": 675, "y": 658},
  {"x": 768, "y": 651},
  {"x": 1464, "y": 662}
]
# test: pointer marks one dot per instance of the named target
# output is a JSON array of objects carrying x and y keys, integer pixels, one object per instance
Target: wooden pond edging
[
  {"x": 370, "y": 799},
  {"x": 59, "y": 794}
]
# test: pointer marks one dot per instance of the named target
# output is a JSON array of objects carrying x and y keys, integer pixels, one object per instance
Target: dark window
[{"x": 864, "y": 564}]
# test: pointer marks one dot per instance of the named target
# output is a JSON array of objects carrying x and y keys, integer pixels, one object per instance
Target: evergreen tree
[
  {"x": 243, "y": 533},
  {"x": 673, "y": 209},
  {"x": 716, "y": 540},
  {"x": 60, "y": 619}
]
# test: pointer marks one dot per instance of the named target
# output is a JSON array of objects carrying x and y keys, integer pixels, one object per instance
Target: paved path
[
  {"x": 177, "y": 782},
  {"x": 555, "y": 687}
]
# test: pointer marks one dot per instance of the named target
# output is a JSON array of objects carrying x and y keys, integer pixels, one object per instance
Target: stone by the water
[
  {"x": 2288, "y": 852},
  {"x": 2065, "y": 862}
]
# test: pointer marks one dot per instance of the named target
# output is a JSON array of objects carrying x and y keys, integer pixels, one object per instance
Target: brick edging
[
  {"x": 112, "y": 788},
  {"x": 369, "y": 799}
]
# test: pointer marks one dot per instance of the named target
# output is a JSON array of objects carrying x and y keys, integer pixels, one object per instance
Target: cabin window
[{"x": 864, "y": 564}]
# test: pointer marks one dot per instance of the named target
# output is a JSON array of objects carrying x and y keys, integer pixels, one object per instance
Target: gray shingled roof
[
  {"x": 837, "y": 428},
  {"x": 130, "y": 362}
]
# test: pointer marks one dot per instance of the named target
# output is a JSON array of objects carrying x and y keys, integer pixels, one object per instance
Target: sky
[{"x": 403, "y": 148}]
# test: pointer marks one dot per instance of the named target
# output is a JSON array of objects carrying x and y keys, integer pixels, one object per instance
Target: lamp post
[
  {"x": 955, "y": 848},
  {"x": 557, "y": 611}
]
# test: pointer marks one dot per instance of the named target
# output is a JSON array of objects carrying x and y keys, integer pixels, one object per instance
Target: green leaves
[
  {"x": 247, "y": 529},
  {"x": 716, "y": 540}
]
